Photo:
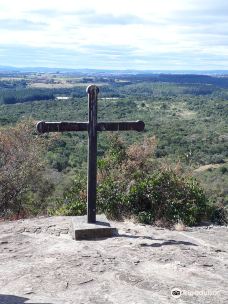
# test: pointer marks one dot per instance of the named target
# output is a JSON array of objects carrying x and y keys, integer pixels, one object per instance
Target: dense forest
[{"x": 186, "y": 114}]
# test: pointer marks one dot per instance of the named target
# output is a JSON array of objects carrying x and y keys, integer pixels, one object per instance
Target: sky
[{"x": 120, "y": 34}]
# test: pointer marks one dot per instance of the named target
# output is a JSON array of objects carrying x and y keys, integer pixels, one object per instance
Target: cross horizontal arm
[
  {"x": 68, "y": 126},
  {"x": 121, "y": 126},
  {"x": 63, "y": 126}
]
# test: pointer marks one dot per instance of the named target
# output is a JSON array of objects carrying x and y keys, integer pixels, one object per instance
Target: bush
[
  {"x": 110, "y": 198},
  {"x": 75, "y": 207},
  {"x": 139, "y": 186},
  {"x": 23, "y": 187},
  {"x": 163, "y": 196},
  {"x": 218, "y": 213},
  {"x": 74, "y": 199},
  {"x": 224, "y": 170},
  {"x": 131, "y": 183}
]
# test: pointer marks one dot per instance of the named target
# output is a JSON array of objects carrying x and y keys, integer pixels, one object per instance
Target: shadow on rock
[
  {"x": 130, "y": 236},
  {"x": 165, "y": 242},
  {"x": 9, "y": 299},
  {"x": 169, "y": 242}
]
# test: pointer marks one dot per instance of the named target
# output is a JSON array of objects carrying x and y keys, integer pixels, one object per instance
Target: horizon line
[{"x": 2, "y": 67}]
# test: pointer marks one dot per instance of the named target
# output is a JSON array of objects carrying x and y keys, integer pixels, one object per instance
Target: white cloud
[{"x": 151, "y": 28}]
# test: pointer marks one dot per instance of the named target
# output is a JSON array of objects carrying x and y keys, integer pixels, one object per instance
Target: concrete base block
[{"x": 86, "y": 231}]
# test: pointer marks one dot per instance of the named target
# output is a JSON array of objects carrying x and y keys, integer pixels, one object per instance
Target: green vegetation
[
  {"x": 187, "y": 114},
  {"x": 133, "y": 184},
  {"x": 24, "y": 95},
  {"x": 23, "y": 188}
]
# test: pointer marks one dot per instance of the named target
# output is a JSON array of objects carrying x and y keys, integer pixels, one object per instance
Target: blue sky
[{"x": 120, "y": 34}]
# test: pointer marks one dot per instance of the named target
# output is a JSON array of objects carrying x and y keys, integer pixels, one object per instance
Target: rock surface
[{"x": 40, "y": 263}]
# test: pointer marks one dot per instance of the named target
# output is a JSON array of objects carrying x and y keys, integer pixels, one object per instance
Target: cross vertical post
[{"x": 92, "y": 153}]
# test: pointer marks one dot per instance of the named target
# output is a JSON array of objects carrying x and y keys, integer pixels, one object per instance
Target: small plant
[
  {"x": 219, "y": 214},
  {"x": 110, "y": 199},
  {"x": 224, "y": 170},
  {"x": 145, "y": 217},
  {"x": 73, "y": 208},
  {"x": 74, "y": 199}
]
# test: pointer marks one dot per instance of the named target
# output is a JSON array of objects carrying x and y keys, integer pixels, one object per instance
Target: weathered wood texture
[
  {"x": 63, "y": 126},
  {"x": 92, "y": 153},
  {"x": 121, "y": 126},
  {"x": 68, "y": 126}
]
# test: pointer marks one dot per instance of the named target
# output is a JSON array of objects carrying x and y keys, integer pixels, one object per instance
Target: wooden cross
[{"x": 92, "y": 126}]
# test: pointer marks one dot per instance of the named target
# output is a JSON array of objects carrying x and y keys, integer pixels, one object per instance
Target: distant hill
[{"x": 107, "y": 72}]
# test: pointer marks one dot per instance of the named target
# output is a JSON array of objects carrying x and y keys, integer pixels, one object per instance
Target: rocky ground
[{"x": 40, "y": 263}]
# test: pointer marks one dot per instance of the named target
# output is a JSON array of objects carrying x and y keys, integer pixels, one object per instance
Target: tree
[{"x": 22, "y": 169}]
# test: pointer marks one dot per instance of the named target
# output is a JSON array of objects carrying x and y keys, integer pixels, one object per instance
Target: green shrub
[
  {"x": 74, "y": 199},
  {"x": 73, "y": 208},
  {"x": 224, "y": 170},
  {"x": 131, "y": 185},
  {"x": 218, "y": 214},
  {"x": 110, "y": 198},
  {"x": 163, "y": 196},
  {"x": 24, "y": 189}
]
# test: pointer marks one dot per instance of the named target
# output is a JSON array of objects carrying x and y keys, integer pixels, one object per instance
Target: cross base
[{"x": 82, "y": 230}]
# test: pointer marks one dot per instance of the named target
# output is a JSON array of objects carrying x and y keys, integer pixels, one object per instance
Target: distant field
[
  {"x": 51, "y": 85},
  {"x": 12, "y": 78},
  {"x": 61, "y": 85}
]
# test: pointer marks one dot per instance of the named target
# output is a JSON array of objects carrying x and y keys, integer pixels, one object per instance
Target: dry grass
[
  {"x": 51, "y": 85},
  {"x": 60, "y": 85},
  {"x": 180, "y": 226},
  {"x": 186, "y": 114},
  {"x": 206, "y": 167}
]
